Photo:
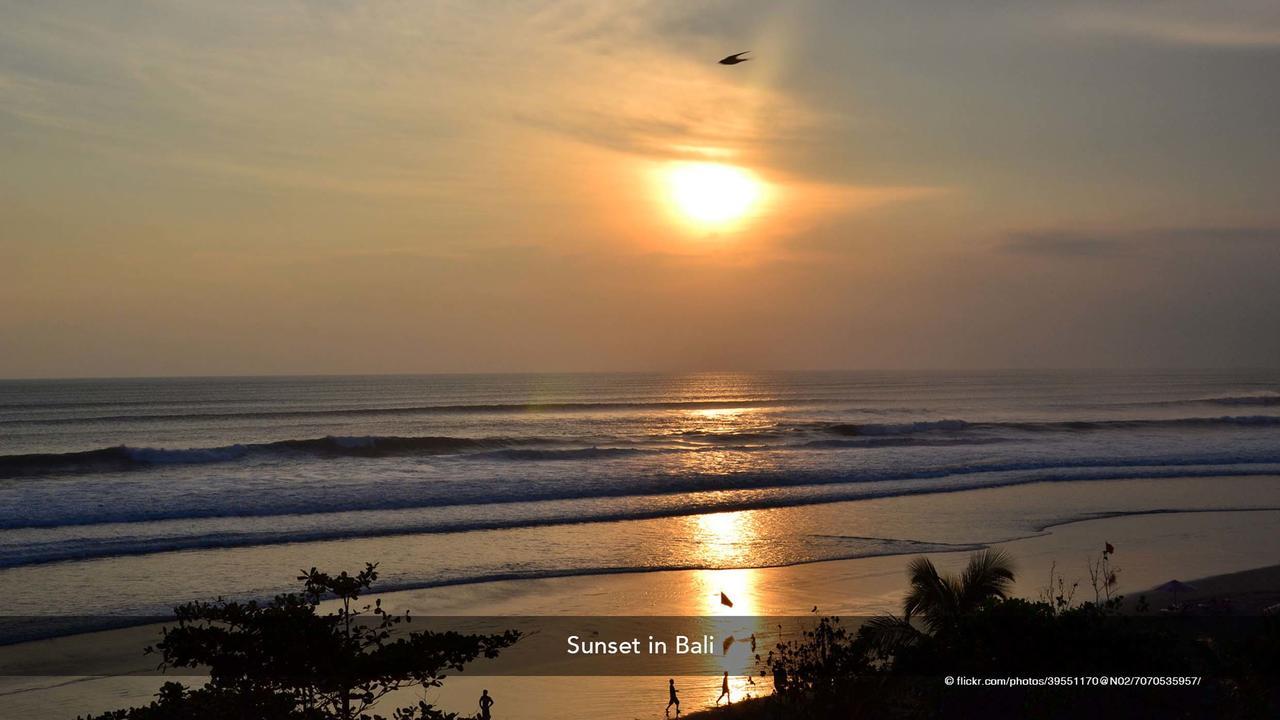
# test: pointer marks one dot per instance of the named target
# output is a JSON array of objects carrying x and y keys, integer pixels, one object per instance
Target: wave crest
[
  {"x": 123, "y": 457},
  {"x": 815, "y": 436}
]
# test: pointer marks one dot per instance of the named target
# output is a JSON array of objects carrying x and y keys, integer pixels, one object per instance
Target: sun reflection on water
[{"x": 725, "y": 540}]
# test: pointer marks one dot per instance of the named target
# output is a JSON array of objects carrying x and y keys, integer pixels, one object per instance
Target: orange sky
[{"x": 196, "y": 188}]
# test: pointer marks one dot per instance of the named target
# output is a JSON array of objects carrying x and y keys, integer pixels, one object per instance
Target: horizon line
[{"x": 756, "y": 371}]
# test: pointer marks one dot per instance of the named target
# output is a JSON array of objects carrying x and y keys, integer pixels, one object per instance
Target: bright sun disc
[{"x": 711, "y": 193}]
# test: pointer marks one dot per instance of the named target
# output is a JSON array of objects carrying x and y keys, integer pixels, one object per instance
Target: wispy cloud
[
  {"x": 1223, "y": 234},
  {"x": 1062, "y": 243},
  {"x": 380, "y": 97},
  {"x": 621, "y": 83},
  {"x": 1239, "y": 24},
  {"x": 1070, "y": 243}
]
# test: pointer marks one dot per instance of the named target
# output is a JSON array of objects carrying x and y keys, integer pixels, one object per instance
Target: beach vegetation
[
  {"x": 284, "y": 660},
  {"x": 969, "y": 626}
]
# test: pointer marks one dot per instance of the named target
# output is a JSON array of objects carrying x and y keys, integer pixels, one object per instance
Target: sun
[{"x": 712, "y": 194}]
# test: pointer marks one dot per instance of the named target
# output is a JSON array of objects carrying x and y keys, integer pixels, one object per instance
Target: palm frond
[
  {"x": 930, "y": 595},
  {"x": 940, "y": 599},
  {"x": 889, "y": 634},
  {"x": 989, "y": 574}
]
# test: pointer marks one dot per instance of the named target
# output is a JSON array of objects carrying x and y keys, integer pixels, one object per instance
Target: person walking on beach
[
  {"x": 724, "y": 689},
  {"x": 486, "y": 702},
  {"x": 675, "y": 700}
]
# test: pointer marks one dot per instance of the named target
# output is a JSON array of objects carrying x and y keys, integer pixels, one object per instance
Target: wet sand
[{"x": 1234, "y": 552}]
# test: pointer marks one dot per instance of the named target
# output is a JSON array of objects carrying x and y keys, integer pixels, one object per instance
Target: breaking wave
[
  {"x": 123, "y": 457},
  {"x": 952, "y": 426},
  {"x": 817, "y": 435}
]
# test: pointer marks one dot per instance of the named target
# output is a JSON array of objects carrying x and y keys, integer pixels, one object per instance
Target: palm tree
[{"x": 939, "y": 601}]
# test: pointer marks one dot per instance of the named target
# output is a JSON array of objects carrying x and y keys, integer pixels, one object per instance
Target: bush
[
  {"x": 965, "y": 626},
  {"x": 283, "y": 661}
]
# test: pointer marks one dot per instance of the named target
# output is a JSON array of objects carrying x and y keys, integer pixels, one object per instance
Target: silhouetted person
[
  {"x": 675, "y": 700},
  {"x": 735, "y": 58},
  {"x": 486, "y": 702},
  {"x": 724, "y": 689}
]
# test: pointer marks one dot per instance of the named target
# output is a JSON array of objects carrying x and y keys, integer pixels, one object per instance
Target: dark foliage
[
  {"x": 813, "y": 673},
  {"x": 283, "y": 661},
  {"x": 893, "y": 667}
]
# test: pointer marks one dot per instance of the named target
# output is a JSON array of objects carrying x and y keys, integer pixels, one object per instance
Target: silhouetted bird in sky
[{"x": 735, "y": 58}]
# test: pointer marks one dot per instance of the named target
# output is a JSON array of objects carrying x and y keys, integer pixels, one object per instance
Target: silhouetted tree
[
  {"x": 283, "y": 661},
  {"x": 966, "y": 625},
  {"x": 941, "y": 601}
]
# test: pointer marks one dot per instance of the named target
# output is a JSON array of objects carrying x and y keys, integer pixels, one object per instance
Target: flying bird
[{"x": 735, "y": 58}]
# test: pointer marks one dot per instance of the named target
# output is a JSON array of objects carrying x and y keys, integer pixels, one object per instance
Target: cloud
[
  {"x": 1235, "y": 24},
  {"x": 1062, "y": 243},
  {"x": 395, "y": 99},
  {"x": 1244, "y": 234},
  {"x": 1066, "y": 243},
  {"x": 623, "y": 86}
]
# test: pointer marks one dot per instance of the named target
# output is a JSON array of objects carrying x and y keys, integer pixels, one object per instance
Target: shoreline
[
  {"x": 251, "y": 542},
  {"x": 751, "y": 539},
  {"x": 419, "y": 594},
  {"x": 1151, "y": 548},
  {"x": 122, "y": 621}
]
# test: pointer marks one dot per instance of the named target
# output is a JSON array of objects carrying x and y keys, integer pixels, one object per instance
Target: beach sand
[
  {"x": 1234, "y": 552},
  {"x": 1250, "y": 592}
]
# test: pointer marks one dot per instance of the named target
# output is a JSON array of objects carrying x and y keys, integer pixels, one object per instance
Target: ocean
[{"x": 127, "y": 496}]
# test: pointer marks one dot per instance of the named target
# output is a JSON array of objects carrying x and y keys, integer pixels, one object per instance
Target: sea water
[{"x": 126, "y": 496}]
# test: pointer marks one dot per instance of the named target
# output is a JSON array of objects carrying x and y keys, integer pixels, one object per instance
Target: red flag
[
  {"x": 724, "y": 600},
  {"x": 1110, "y": 549}
]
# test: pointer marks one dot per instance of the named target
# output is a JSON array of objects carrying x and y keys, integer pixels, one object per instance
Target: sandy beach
[{"x": 1151, "y": 549}]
